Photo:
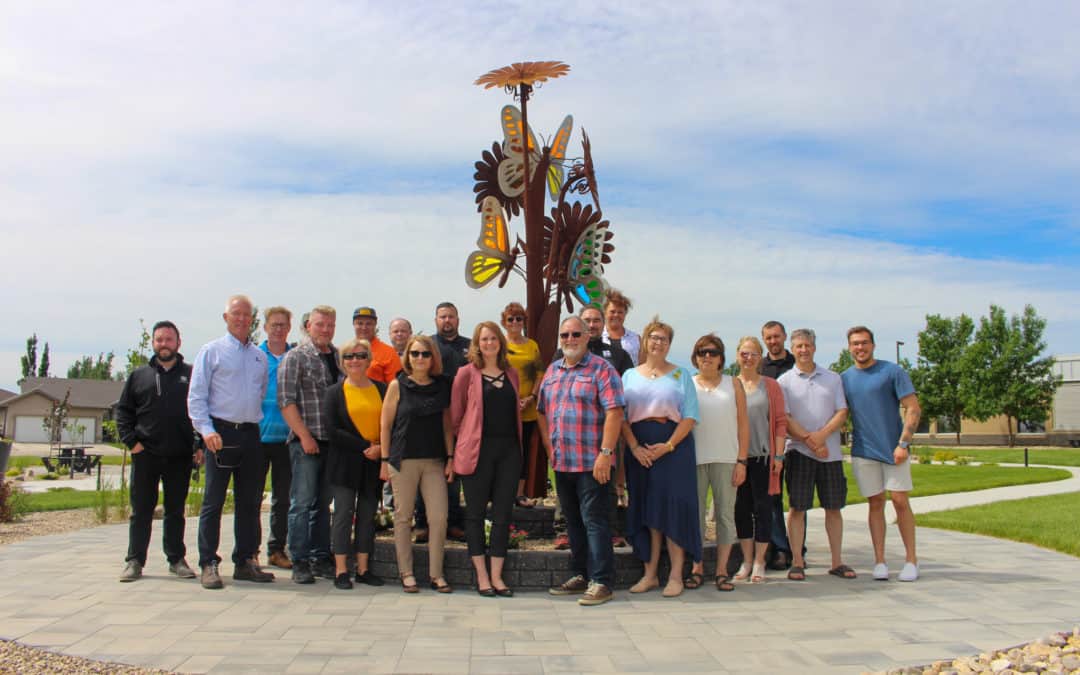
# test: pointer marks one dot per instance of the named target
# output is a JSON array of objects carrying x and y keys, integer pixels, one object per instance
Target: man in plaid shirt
[
  {"x": 581, "y": 411},
  {"x": 303, "y": 377}
]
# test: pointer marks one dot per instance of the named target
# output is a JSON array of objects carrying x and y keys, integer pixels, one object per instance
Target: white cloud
[{"x": 156, "y": 159}]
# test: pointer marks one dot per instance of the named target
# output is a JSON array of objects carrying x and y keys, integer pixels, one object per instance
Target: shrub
[
  {"x": 924, "y": 459},
  {"x": 50, "y": 476},
  {"x": 944, "y": 456},
  {"x": 962, "y": 461},
  {"x": 13, "y": 471},
  {"x": 13, "y": 502}
]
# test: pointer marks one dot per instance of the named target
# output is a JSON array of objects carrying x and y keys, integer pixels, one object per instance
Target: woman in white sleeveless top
[{"x": 722, "y": 436}]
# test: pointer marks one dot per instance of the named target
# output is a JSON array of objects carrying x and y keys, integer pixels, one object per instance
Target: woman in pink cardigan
[
  {"x": 486, "y": 417},
  {"x": 768, "y": 428}
]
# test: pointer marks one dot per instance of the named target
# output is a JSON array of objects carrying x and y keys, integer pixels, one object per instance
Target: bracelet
[
  {"x": 671, "y": 446},
  {"x": 741, "y": 461},
  {"x": 384, "y": 459},
  {"x": 779, "y": 458}
]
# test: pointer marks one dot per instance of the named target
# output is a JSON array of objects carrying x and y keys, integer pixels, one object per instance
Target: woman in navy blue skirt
[{"x": 661, "y": 468}]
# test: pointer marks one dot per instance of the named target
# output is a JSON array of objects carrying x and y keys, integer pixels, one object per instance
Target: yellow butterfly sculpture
[
  {"x": 512, "y": 169},
  {"x": 494, "y": 255}
]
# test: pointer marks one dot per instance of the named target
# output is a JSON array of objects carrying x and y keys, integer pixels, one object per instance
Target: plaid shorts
[{"x": 803, "y": 473}]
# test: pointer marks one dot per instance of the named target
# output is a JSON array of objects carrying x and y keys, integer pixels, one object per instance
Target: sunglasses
[
  {"x": 571, "y": 334},
  {"x": 515, "y": 319},
  {"x": 711, "y": 353},
  {"x": 363, "y": 356},
  {"x": 417, "y": 354}
]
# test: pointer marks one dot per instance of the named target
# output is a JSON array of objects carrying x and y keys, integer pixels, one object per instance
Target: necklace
[{"x": 707, "y": 386}]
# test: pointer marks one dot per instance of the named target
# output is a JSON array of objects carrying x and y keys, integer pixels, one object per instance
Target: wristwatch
[
  {"x": 904, "y": 444},
  {"x": 607, "y": 452}
]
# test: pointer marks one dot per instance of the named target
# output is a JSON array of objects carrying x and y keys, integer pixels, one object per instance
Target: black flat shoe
[
  {"x": 342, "y": 581},
  {"x": 486, "y": 592},
  {"x": 368, "y": 579},
  {"x": 504, "y": 592}
]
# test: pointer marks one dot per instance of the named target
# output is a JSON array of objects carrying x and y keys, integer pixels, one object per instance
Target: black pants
[
  {"x": 242, "y": 448},
  {"x": 495, "y": 480},
  {"x": 352, "y": 528},
  {"x": 753, "y": 505},
  {"x": 276, "y": 463},
  {"x": 174, "y": 473}
]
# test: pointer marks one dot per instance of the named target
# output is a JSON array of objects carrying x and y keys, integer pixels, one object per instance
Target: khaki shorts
[{"x": 875, "y": 477}]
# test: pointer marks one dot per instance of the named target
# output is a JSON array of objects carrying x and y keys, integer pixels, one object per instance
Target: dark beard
[{"x": 160, "y": 355}]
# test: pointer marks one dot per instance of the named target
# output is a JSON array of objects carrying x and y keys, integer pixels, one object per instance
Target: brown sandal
[
  {"x": 723, "y": 583},
  {"x": 409, "y": 588},
  {"x": 694, "y": 580},
  {"x": 441, "y": 588}
]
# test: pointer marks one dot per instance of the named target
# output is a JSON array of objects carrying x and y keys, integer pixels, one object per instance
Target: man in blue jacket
[{"x": 152, "y": 420}]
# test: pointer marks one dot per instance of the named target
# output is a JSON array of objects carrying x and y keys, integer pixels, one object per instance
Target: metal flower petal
[{"x": 528, "y": 73}]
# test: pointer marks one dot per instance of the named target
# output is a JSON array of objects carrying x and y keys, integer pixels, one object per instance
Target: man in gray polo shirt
[{"x": 816, "y": 407}]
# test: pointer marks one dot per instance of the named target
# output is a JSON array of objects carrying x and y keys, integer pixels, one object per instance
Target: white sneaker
[
  {"x": 881, "y": 572},
  {"x": 909, "y": 573}
]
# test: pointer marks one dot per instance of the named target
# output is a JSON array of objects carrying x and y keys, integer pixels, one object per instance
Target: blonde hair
[
  {"x": 655, "y": 324},
  {"x": 325, "y": 310},
  {"x": 277, "y": 309},
  {"x": 754, "y": 341},
  {"x": 349, "y": 346}
]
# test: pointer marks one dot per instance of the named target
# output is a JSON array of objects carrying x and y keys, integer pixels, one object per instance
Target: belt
[
  {"x": 239, "y": 426},
  {"x": 658, "y": 420}
]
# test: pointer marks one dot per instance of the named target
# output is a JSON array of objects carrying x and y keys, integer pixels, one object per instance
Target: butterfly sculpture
[{"x": 494, "y": 255}]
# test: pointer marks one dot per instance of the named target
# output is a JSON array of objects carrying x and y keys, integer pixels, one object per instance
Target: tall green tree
[
  {"x": 28, "y": 362},
  {"x": 842, "y": 362},
  {"x": 90, "y": 368},
  {"x": 43, "y": 368},
  {"x": 1008, "y": 375},
  {"x": 941, "y": 377}
]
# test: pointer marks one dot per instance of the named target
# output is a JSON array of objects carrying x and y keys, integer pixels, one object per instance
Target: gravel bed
[
  {"x": 1057, "y": 653},
  {"x": 22, "y": 660},
  {"x": 46, "y": 522}
]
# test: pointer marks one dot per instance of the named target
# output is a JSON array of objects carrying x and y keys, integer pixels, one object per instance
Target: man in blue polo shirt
[
  {"x": 273, "y": 432},
  {"x": 875, "y": 392}
]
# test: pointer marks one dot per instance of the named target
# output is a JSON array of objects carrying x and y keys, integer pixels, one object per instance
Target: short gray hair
[
  {"x": 804, "y": 334},
  {"x": 576, "y": 318}
]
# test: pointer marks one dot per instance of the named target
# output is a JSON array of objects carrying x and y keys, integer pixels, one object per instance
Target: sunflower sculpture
[{"x": 565, "y": 252}]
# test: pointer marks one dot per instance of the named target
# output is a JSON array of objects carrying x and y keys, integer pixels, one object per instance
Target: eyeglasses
[
  {"x": 749, "y": 355},
  {"x": 277, "y": 326},
  {"x": 363, "y": 356},
  {"x": 417, "y": 354},
  {"x": 515, "y": 319},
  {"x": 659, "y": 338},
  {"x": 571, "y": 334},
  {"x": 711, "y": 353}
]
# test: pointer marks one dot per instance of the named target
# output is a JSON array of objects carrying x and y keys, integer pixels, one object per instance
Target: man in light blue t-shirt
[{"x": 875, "y": 392}]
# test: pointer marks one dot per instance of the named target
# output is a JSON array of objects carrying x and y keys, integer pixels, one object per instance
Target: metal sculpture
[{"x": 565, "y": 252}]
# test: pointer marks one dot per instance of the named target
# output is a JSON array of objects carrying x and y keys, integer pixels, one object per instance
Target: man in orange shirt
[{"x": 385, "y": 363}]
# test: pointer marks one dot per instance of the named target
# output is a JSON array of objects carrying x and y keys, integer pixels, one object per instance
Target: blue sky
[{"x": 825, "y": 164}]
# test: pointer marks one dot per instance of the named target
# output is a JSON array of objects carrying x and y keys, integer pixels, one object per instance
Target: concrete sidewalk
[{"x": 976, "y": 593}]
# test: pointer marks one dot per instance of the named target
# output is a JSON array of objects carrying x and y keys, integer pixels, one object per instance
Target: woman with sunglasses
[
  {"x": 352, "y": 409},
  {"x": 661, "y": 410},
  {"x": 486, "y": 417},
  {"x": 524, "y": 356},
  {"x": 416, "y": 420},
  {"x": 720, "y": 440},
  {"x": 768, "y": 429}
]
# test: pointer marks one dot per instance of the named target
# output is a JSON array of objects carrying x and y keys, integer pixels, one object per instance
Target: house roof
[
  {"x": 5, "y": 394},
  {"x": 84, "y": 393}
]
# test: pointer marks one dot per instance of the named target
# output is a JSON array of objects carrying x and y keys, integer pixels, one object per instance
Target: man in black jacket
[{"x": 152, "y": 420}]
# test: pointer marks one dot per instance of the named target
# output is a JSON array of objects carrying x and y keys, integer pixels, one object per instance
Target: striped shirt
[
  {"x": 574, "y": 400},
  {"x": 302, "y": 379}
]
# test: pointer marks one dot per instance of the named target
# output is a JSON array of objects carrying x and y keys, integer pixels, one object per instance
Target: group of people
[{"x": 435, "y": 416}]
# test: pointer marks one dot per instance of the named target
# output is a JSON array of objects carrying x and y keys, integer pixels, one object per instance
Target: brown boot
[{"x": 280, "y": 559}]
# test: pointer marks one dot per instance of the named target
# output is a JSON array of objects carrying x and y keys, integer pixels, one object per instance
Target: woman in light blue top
[{"x": 661, "y": 468}]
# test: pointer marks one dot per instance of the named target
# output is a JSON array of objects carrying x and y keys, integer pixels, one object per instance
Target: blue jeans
[
  {"x": 247, "y": 495},
  {"x": 309, "y": 505},
  {"x": 584, "y": 504}
]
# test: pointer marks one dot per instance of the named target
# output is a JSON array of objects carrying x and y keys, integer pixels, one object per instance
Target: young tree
[
  {"x": 29, "y": 361},
  {"x": 253, "y": 334},
  {"x": 139, "y": 355},
  {"x": 89, "y": 368},
  {"x": 941, "y": 377},
  {"x": 1007, "y": 375}
]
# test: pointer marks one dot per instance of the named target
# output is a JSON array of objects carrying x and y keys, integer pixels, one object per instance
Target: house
[
  {"x": 1062, "y": 427},
  {"x": 91, "y": 402}
]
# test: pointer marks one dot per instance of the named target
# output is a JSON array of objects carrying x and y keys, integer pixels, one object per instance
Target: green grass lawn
[
  {"x": 63, "y": 499},
  {"x": 1042, "y": 521},
  {"x": 938, "y": 479},
  {"x": 1053, "y": 456},
  {"x": 34, "y": 461}
]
